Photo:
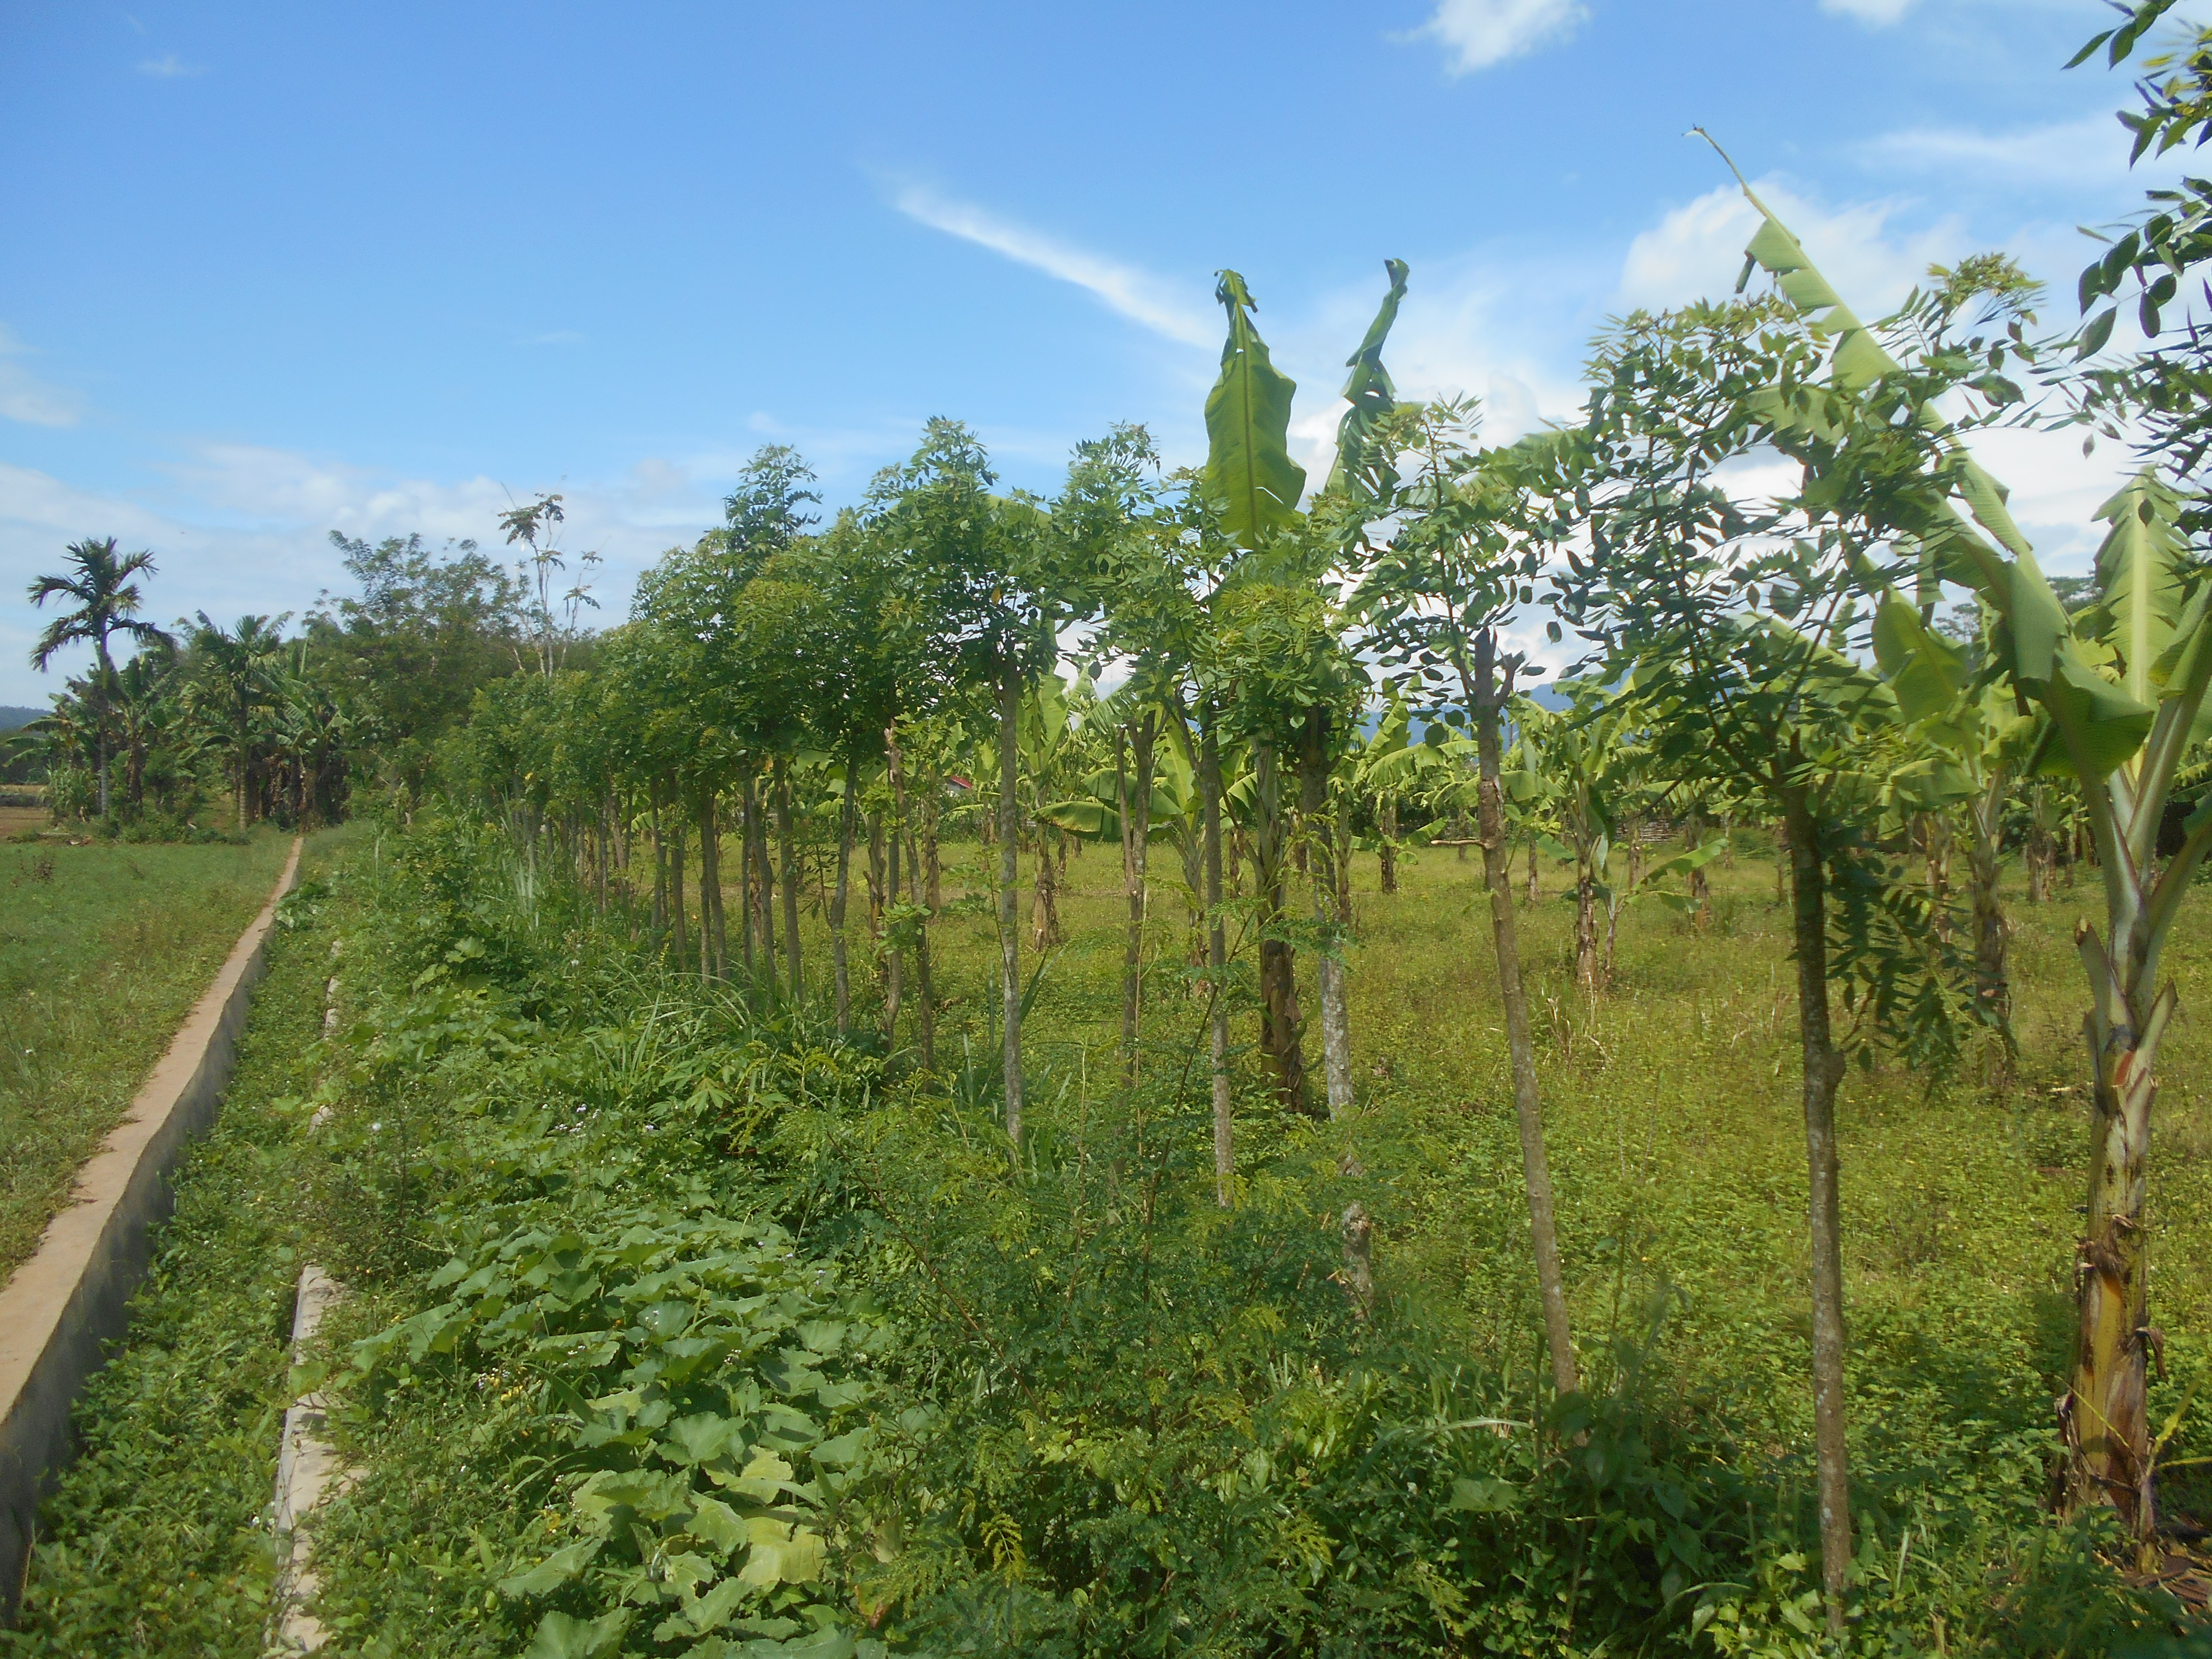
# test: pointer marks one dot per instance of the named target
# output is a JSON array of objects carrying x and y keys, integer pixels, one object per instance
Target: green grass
[
  {"x": 1676, "y": 1139},
  {"x": 103, "y": 951}
]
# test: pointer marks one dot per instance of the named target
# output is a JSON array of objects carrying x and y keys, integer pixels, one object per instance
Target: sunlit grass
[{"x": 103, "y": 949}]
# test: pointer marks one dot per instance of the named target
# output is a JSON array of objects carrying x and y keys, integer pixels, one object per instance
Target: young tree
[
  {"x": 993, "y": 595},
  {"x": 1738, "y": 632},
  {"x": 106, "y": 601},
  {"x": 1467, "y": 550}
]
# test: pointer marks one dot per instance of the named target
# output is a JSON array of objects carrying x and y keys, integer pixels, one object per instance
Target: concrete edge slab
[{"x": 68, "y": 1299}]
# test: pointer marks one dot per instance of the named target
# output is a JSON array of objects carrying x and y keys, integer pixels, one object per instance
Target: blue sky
[{"x": 275, "y": 271}]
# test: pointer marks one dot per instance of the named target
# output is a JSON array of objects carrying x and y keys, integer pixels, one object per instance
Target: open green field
[
  {"x": 1677, "y": 1139},
  {"x": 103, "y": 949},
  {"x": 544, "y": 1084}
]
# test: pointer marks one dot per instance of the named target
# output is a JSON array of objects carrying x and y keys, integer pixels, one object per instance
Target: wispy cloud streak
[{"x": 1136, "y": 295}]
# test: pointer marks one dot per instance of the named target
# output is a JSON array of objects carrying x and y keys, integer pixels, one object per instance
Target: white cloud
[
  {"x": 2093, "y": 150},
  {"x": 1879, "y": 13},
  {"x": 24, "y": 397},
  {"x": 1135, "y": 294},
  {"x": 1476, "y": 33},
  {"x": 1696, "y": 251},
  {"x": 169, "y": 67}
]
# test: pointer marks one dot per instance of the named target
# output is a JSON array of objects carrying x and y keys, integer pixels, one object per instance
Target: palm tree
[
  {"x": 106, "y": 598},
  {"x": 235, "y": 686}
]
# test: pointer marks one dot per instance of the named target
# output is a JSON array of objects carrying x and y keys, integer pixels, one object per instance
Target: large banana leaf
[
  {"x": 1248, "y": 421},
  {"x": 2140, "y": 577},
  {"x": 2104, "y": 724},
  {"x": 1361, "y": 469}
]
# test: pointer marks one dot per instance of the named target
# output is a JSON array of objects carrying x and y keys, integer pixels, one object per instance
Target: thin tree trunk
[
  {"x": 748, "y": 874},
  {"x": 1216, "y": 958},
  {"x": 1531, "y": 893},
  {"x": 1336, "y": 1016},
  {"x": 1823, "y": 1070},
  {"x": 1386, "y": 825},
  {"x": 894, "y": 955},
  {"x": 1936, "y": 834},
  {"x": 1983, "y": 849},
  {"x": 1281, "y": 1025},
  {"x": 763, "y": 894},
  {"x": 789, "y": 836},
  {"x": 1701, "y": 892},
  {"x": 1344, "y": 911},
  {"x": 1136, "y": 828},
  {"x": 925, "y": 990},
  {"x": 659, "y": 877},
  {"x": 839, "y": 958},
  {"x": 712, "y": 938},
  {"x": 1044, "y": 902},
  {"x": 1586, "y": 959},
  {"x": 1010, "y": 939},
  {"x": 931, "y": 806},
  {"x": 1485, "y": 696},
  {"x": 682, "y": 939}
]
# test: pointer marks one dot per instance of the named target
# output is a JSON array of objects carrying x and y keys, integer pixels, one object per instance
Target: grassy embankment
[
  {"x": 103, "y": 951},
  {"x": 1676, "y": 1146}
]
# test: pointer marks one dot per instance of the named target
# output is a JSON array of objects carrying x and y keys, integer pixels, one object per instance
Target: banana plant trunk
[
  {"x": 1486, "y": 695},
  {"x": 1586, "y": 875},
  {"x": 2103, "y": 1418},
  {"x": 1386, "y": 825},
  {"x": 1823, "y": 1072},
  {"x": 1044, "y": 900},
  {"x": 1984, "y": 849}
]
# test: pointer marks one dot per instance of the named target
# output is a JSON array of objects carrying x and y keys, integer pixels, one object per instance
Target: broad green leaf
[
  {"x": 1357, "y": 468},
  {"x": 699, "y": 1615},
  {"x": 702, "y": 1438},
  {"x": 1248, "y": 420},
  {"x": 782, "y": 1553},
  {"x": 1484, "y": 1495},
  {"x": 713, "y": 1522},
  {"x": 1858, "y": 359},
  {"x": 1925, "y": 670},
  {"x": 2139, "y": 572},
  {"x": 560, "y": 1637},
  {"x": 763, "y": 1480},
  {"x": 555, "y": 1570}
]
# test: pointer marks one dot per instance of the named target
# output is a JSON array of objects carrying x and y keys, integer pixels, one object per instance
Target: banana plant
[
  {"x": 1387, "y": 766},
  {"x": 1975, "y": 744},
  {"x": 2123, "y": 685}
]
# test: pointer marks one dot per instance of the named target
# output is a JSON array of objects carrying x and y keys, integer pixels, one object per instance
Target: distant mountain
[{"x": 12, "y": 718}]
